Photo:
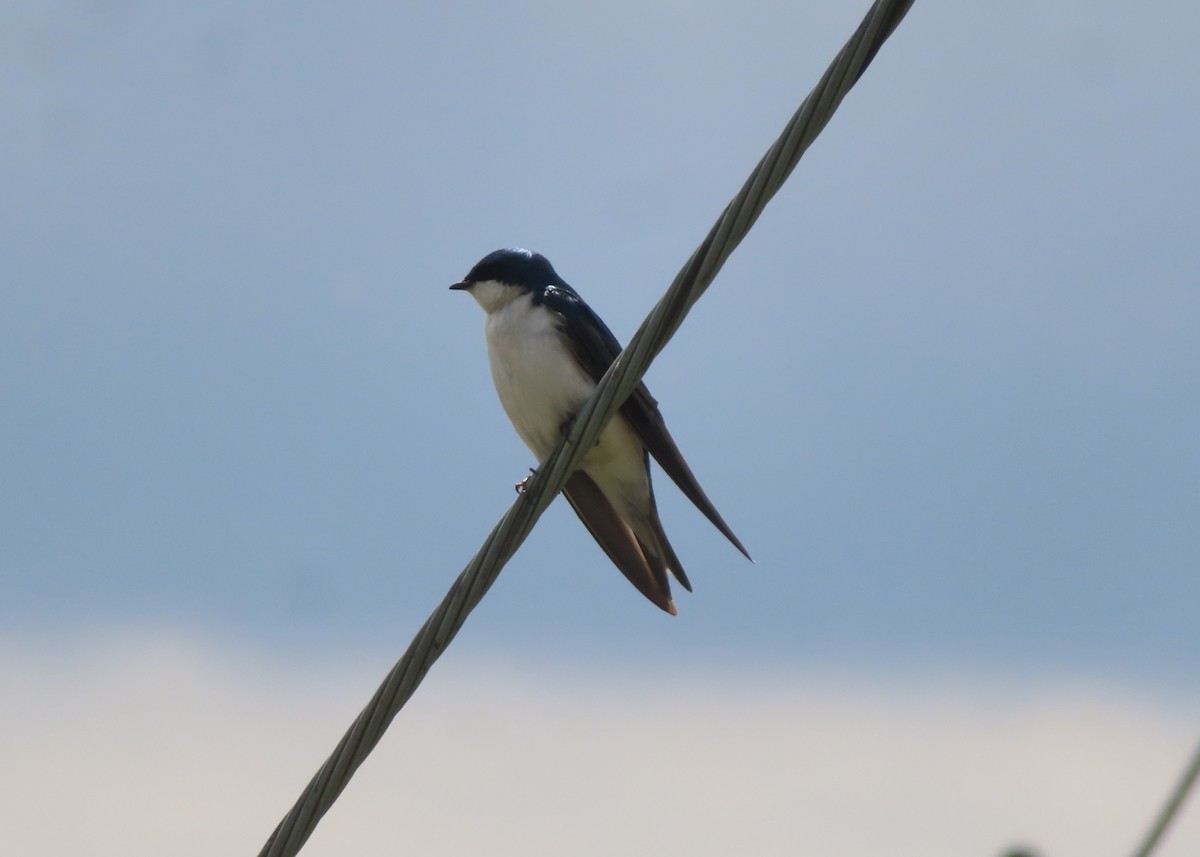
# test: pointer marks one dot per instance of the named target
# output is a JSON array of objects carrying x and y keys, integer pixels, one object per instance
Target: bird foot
[{"x": 520, "y": 486}]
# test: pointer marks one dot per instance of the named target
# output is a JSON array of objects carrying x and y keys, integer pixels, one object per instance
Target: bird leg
[
  {"x": 568, "y": 424},
  {"x": 520, "y": 486},
  {"x": 565, "y": 429}
]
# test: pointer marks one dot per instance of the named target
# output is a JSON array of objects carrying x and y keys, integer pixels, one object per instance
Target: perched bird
[{"x": 548, "y": 350}]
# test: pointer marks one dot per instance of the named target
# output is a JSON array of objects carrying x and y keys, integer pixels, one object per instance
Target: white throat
[
  {"x": 494, "y": 296},
  {"x": 539, "y": 382}
]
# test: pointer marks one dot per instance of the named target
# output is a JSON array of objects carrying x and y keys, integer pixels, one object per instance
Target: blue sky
[{"x": 947, "y": 392}]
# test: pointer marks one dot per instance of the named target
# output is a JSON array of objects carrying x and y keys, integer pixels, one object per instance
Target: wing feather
[
  {"x": 596, "y": 348},
  {"x": 617, "y": 540}
]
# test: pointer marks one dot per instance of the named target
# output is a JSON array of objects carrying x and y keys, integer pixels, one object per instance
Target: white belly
[
  {"x": 541, "y": 386},
  {"x": 539, "y": 383}
]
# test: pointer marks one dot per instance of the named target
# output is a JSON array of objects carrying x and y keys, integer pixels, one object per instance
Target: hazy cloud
[{"x": 152, "y": 744}]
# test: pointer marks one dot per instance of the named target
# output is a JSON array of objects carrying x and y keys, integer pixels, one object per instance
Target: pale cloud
[{"x": 157, "y": 745}]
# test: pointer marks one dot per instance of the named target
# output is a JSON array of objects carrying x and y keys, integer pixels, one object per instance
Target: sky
[{"x": 947, "y": 392}]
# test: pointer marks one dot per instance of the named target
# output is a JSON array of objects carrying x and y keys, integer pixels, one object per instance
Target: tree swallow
[{"x": 548, "y": 350}]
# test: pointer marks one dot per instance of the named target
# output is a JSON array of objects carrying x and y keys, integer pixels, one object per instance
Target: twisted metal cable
[
  {"x": 616, "y": 385},
  {"x": 1171, "y": 808}
]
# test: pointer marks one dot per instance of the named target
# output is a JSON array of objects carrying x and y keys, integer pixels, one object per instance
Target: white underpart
[{"x": 541, "y": 385}]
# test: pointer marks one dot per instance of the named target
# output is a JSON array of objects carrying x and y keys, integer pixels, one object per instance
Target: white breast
[{"x": 539, "y": 383}]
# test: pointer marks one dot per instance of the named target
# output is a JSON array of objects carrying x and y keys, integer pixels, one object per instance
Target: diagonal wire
[
  {"x": 616, "y": 385},
  {"x": 1171, "y": 808}
]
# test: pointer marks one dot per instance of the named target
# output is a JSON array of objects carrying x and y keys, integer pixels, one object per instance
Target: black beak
[{"x": 462, "y": 285}]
